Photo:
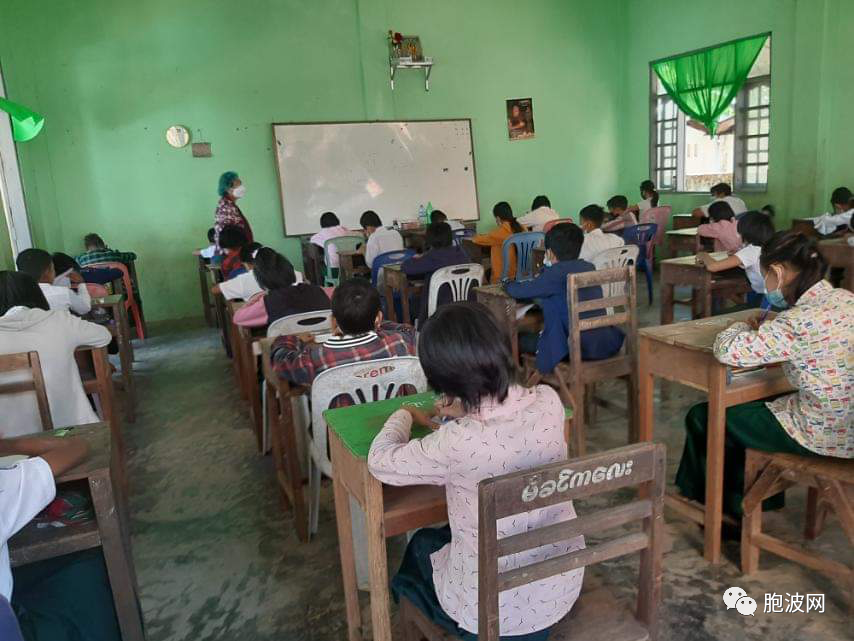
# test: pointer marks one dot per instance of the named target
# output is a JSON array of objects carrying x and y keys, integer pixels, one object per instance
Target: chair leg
[
  {"x": 314, "y": 489},
  {"x": 648, "y": 271}
]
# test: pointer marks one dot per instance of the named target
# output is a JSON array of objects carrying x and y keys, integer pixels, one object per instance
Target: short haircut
[
  {"x": 565, "y": 241},
  {"x": 63, "y": 263},
  {"x": 329, "y": 219},
  {"x": 272, "y": 270},
  {"x": 34, "y": 262},
  {"x": 840, "y": 196},
  {"x": 232, "y": 237},
  {"x": 466, "y": 355},
  {"x": 617, "y": 202},
  {"x": 755, "y": 228},
  {"x": 438, "y": 216},
  {"x": 355, "y": 305},
  {"x": 438, "y": 235},
  {"x": 370, "y": 219},
  {"x": 93, "y": 241},
  {"x": 20, "y": 289},
  {"x": 769, "y": 210},
  {"x": 594, "y": 213},
  {"x": 541, "y": 201},
  {"x": 721, "y": 188},
  {"x": 226, "y": 180},
  {"x": 720, "y": 210},
  {"x": 247, "y": 251},
  {"x": 212, "y": 235}
]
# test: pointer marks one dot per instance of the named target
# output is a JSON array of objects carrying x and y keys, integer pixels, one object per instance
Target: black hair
[
  {"x": 355, "y": 305},
  {"x": 841, "y": 196},
  {"x": 565, "y": 241},
  {"x": 617, "y": 201},
  {"x": 272, "y": 270},
  {"x": 755, "y": 228},
  {"x": 34, "y": 262},
  {"x": 649, "y": 187},
  {"x": 94, "y": 241},
  {"x": 329, "y": 219},
  {"x": 466, "y": 355},
  {"x": 63, "y": 263},
  {"x": 721, "y": 188},
  {"x": 801, "y": 254},
  {"x": 232, "y": 237},
  {"x": 594, "y": 213},
  {"x": 247, "y": 251},
  {"x": 20, "y": 289},
  {"x": 438, "y": 216},
  {"x": 438, "y": 235},
  {"x": 769, "y": 211},
  {"x": 212, "y": 235},
  {"x": 720, "y": 210},
  {"x": 504, "y": 212},
  {"x": 541, "y": 201},
  {"x": 370, "y": 219}
]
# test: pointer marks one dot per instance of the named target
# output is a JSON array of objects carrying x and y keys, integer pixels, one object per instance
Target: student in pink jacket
[{"x": 723, "y": 228}]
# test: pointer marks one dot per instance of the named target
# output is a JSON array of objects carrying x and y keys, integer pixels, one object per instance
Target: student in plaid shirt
[
  {"x": 359, "y": 334},
  {"x": 98, "y": 252}
]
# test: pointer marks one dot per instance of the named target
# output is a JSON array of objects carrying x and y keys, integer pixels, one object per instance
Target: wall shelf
[{"x": 401, "y": 63}]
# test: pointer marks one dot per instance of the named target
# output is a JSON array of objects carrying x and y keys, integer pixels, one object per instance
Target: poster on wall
[{"x": 520, "y": 118}]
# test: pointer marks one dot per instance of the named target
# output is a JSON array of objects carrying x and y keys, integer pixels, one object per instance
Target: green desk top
[{"x": 358, "y": 425}]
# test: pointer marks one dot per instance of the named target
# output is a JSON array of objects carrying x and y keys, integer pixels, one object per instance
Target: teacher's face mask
[{"x": 239, "y": 191}]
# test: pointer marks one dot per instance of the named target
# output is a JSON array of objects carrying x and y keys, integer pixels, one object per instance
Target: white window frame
[
  {"x": 11, "y": 187},
  {"x": 741, "y": 135}
]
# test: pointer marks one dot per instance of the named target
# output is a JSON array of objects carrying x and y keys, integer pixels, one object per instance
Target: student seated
[
  {"x": 330, "y": 227},
  {"x": 540, "y": 214},
  {"x": 595, "y": 240},
  {"x": 359, "y": 334},
  {"x": 440, "y": 252},
  {"x": 754, "y": 228},
  {"x": 282, "y": 296},
  {"x": 563, "y": 245},
  {"x": 98, "y": 252},
  {"x": 210, "y": 251},
  {"x": 28, "y": 325},
  {"x": 506, "y": 226},
  {"x": 649, "y": 198},
  {"x": 621, "y": 217},
  {"x": 231, "y": 241},
  {"x": 839, "y": 219},
  {"x": 722, "y": 227},
  {"x": 493, "y": 425},
  {"x": 438, "y": 216},
  {"x": 380, "y": 239},
  {"x": 39, "y": 264},
  {"x": 721, "y": 192},
  {"x": 69, "y": 274},
  {"x": 45, "y": 596},
  {"x": 812, "y": 339},
  {"x": 243, "y": 286}
]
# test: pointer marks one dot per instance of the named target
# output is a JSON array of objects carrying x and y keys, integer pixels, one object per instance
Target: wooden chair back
[
  {"x": 639, "y": 466},
  {"x": 27, "y": 361}
]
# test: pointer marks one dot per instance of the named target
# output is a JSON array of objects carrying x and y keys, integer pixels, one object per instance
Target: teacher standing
[{"x": 230, "y": 189}]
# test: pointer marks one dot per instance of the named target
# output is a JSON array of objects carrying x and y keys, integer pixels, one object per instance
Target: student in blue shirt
[{"x": 563, "y": 244}]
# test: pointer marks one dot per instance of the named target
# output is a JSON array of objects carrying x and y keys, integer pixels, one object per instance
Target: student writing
[
  {"x": 506, "y": 226},
  {"x": 39, "y": 264},
  {"x": 330, "y": 227},
  {"x": 649, "y": 198},
  {"x": 621, "y": 217},
  {"x": 540, "y": 214},
  {"x": 595, "y": 240},
  {"x": 721, "y": 192},
  {"x": 380, "y": 239},
  {"x": 723, "y": 227}
]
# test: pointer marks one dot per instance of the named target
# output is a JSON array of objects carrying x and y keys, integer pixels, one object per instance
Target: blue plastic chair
[
  {"x": 524, "y": 244},
  {"x": 389, "y": 258},
  {"x": 459, "y": 234},
  {"x": 642, "y": 235}
]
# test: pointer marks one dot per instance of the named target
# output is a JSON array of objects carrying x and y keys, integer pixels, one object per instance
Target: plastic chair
[
  {"x": 558, "y": 221},
  {"x": 9, "y": 628},
  {"x": 460, "y": 279},
  {"x": 524, "y": 244},
  {"x": 341, "y": 244},
  {"x": 130, "y": 300},
  {"x": 660, "y": 216},
  {"x": 642, "y": 235},
  {"x": 459, "y": 234},
  {"x": 389, "y": 258},
  {"x": 612, "y": 259}
]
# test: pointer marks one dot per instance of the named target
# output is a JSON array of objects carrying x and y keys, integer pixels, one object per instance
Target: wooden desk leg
[
  {"x": 390, "y": 311},
  {"x": 404, "y": 303},
  {"x": 126, "y": 362},
  {"x": 348, "y": 561},
  {"x": 715, "y": 436},
  {"x": 666, "y": 303},
  {"x": 646, "y": 389},
  {"x": 206, "y": 295},
  {"x": 377, "y": 558}
]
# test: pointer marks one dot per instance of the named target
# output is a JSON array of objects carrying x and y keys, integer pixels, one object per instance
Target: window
[{"x": 683, "y": 157}]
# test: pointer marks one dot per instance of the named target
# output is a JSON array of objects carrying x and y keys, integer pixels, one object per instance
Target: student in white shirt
[
  {"x": 39, "y": 264},
  {"x": 721, "y": 191},
  {"x": 438, "y": 216},
  {"x": 540, "y": 214},
  {"x": 649, "y": 198},
  {"x": 330, "y": 227},
  {"x": 842, "y": 204},
  {"x": 595, "y": 240},
  {"x": 380, "y": 239},
  {"x": 28, "y": 325},
  {"x": 210, "y": 251}
]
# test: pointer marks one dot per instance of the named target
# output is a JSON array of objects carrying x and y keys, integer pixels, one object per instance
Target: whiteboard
[{"x": 389, "y": 167}]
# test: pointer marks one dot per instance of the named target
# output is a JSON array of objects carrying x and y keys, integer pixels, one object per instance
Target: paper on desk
[
  {"x": 521, "y": 311},
  {"x": 827, "y": 223}
]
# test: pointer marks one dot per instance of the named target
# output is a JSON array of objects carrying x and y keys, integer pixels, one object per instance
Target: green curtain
[
  {"x": 704, "y": 83},
  {"x": 26, "y": 123}
]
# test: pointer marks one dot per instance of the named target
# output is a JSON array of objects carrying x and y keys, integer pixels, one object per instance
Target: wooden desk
[
  {"x": 350, "y": 264},
  {"x": 684, "y": 221},
  {"x": 109, "y": 530},
  {"x": 394, "y": 280},
  {"x": 388, "y": 510},
  {"x": 682, "y": 353},
  {"x": 205, "y": 286},
  {"x": 804, "y": 226},
  {"x": 503, "y": 306},
  {"x": 480, "y": 254},
  {"x": 220, "y": 310},
  {"x": 312, "y": 261},
  {"x": 686, "y": 271},
  {"x": 838, "y": 253},
  {"x": 120, "y": 328},
  {"x": 234, "y": 345},
  {"x": 685, "y": 239},
  {"x": 245, "y": 362}
]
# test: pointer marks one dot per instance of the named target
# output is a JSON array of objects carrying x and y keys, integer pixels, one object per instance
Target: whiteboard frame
[{"x": 281, "y": 180}]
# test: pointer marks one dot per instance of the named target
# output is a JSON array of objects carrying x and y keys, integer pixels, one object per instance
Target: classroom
[{"x": 379, "y": 319}]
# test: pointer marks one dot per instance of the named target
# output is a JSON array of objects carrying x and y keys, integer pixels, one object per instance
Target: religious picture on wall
[{"x": 520, "y": 118}]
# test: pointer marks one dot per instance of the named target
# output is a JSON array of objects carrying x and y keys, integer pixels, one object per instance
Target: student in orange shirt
[{"x": 507, "y": 225}]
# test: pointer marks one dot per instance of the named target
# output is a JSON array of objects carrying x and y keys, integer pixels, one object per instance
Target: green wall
[
  {"x": 812, "y": 90},
  {"x": 111, "y": 75}
]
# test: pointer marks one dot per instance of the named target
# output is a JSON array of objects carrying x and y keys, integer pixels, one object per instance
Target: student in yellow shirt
[{"x": 506, "y": 226}]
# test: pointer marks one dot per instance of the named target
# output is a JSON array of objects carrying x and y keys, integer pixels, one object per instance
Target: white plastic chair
[
  {"x": 612, "y": 259},
  {"x": 460, "y": 279}
]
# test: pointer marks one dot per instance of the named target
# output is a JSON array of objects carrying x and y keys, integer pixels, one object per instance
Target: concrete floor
[{"x": 218, "y": 559}]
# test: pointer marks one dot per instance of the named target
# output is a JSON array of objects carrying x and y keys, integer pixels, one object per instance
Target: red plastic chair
[
  {"x": 660, "y": 216},
  {"x": 130, "y": 301},
  {"x": 552, "y": 223}
]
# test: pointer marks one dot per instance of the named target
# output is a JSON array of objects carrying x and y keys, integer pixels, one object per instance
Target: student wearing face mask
[
  {"x": 596, "y": 240},
  {"x": 230, "y": 189},
  {"x": 813, "y": 339}
]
